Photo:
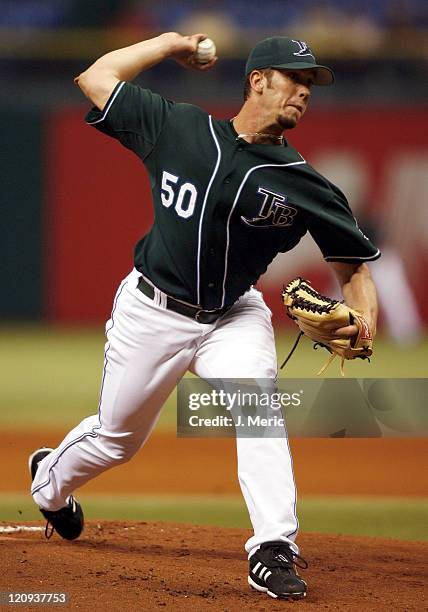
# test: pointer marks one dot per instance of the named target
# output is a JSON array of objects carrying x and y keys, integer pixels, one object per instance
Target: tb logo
[
  {"x": 274, "y": 212},
  {"x": 304, "y": 50}
]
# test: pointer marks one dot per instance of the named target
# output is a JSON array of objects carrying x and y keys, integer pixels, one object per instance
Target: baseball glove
[{"x": 317, "y": 316}]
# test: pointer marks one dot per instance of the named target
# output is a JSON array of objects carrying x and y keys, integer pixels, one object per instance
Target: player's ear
[{"x": 257, "y": 81}]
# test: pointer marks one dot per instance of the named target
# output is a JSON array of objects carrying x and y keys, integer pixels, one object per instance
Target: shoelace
[
  {"x": 290, "y": 555},
  {"x": 49, "y": 530}
]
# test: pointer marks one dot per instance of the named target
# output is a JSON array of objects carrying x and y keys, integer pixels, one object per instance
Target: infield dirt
[{"x": 149, "y": 566}]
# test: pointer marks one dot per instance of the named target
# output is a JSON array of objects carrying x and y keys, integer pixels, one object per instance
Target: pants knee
[{"x": 119, "y": 449}]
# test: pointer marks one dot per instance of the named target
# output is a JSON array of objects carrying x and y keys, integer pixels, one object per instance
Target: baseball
[{"x": 205, "y": 51}]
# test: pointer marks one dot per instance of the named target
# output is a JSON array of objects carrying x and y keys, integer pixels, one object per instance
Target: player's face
[{"x": 287, "y": 94}]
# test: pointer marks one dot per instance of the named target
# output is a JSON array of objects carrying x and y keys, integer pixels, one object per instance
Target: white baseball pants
[{"x": 149, "y": 348}]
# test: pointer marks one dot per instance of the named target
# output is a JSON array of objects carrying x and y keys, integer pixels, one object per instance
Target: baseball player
[{"x": 228, "y": 196}]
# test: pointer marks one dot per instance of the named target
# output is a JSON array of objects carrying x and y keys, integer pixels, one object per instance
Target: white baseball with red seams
[{"x": 205, "y": 51}]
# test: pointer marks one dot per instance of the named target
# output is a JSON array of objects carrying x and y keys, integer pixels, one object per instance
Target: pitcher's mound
[{"x": 122, "y": 566}]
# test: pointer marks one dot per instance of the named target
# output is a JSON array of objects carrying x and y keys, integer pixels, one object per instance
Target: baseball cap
[{"x": 284, "y": 52}]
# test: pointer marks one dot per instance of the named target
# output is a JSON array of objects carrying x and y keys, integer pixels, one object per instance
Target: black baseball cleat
[
  {"x": 273, "y": 571},
  {"x": 68, "y": 521}
]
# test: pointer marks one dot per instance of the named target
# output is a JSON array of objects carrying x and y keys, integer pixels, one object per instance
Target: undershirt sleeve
[
  {"x": 336, "y": 232},
  {"x": 132, "y": 115}
]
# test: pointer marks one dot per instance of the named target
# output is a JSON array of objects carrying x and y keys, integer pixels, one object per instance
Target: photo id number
[{"x": 22, "y": 598}]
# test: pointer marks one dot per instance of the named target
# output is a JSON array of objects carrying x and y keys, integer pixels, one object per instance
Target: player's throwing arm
[{"x": 98, "y": 81}]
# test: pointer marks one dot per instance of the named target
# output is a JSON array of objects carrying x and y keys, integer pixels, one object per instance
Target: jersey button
[
  {"x": 227, "y": 180},
  {"x": 212, "y": 251},
  {"x": 211, "y": 285},
  {"x": 239, "y": 149}
]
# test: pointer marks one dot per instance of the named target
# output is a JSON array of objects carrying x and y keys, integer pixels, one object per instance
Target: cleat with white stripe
[{"x": 273, "y": 571}]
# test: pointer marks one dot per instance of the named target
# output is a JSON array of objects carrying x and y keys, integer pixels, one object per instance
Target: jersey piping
[
  {"x": 198, "y": 281},
  {"x": 333, "y": 257},
  {"x": 238, "y": 193},
  {"x": 186, "y": 276},
  {"x": 109, "y": 105}
]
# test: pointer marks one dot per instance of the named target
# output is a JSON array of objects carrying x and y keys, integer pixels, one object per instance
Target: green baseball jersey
[{"x": 223, "y": 208}]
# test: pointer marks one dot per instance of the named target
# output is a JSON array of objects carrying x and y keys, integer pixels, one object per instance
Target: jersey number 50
[{"x": 184, "y": 197}]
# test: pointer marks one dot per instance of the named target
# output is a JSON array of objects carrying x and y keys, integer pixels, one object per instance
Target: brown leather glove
[{"x": 318, "y": 316}]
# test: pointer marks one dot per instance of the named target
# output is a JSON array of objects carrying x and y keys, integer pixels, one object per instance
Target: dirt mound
[{"x": 146, "y": 566}]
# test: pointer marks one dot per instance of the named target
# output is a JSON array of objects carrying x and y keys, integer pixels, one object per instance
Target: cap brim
[{"x": 323, "y": 74}]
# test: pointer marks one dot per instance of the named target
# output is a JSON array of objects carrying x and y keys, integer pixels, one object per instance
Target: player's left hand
[
  {"x": 328, "y": 323},
  {"x": 346, "y": 332}
]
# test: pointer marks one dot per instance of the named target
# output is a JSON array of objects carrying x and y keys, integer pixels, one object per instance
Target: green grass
[
  {"x": 402, "y": 518},
  {"x": 50, "y": 376}
]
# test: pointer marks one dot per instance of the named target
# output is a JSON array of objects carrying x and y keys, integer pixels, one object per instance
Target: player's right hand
[{"x": 183, "y": 49}]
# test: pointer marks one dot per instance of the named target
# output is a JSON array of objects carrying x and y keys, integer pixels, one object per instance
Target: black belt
[{"x": 193, "y": 312}]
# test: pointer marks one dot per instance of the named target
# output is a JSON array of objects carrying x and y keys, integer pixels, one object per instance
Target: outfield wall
[{"x": 76, "y": 203}]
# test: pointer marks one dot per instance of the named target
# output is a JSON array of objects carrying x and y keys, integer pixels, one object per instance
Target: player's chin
[{"x": 288, "y": 122}]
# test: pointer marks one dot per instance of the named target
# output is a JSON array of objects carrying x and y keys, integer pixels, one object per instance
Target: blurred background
[{"x": 74, "y": 203}]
